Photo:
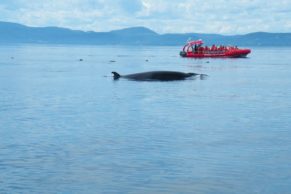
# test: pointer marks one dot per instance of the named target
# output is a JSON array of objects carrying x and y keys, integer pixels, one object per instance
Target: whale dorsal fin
[{"x": 115, "y": 75}]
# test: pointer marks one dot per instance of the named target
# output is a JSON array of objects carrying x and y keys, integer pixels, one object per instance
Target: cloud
[
  {"x": 130, "y": 6},
  {"x": 163, "y": 16}
]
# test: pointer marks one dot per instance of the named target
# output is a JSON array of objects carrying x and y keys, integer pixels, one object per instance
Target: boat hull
[{"x": 236, "y": 53}]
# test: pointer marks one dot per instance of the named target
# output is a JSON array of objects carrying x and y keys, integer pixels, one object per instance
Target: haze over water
[{"x": 67, "y": 127}]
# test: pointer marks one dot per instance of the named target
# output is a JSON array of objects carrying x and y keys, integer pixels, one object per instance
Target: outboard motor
[{"x": 183, "y": 54}]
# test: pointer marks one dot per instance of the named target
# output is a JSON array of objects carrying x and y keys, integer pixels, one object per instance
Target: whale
[{"x": 156, "y": 76}]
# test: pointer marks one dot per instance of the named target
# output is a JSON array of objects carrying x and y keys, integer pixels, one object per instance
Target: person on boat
[
  {"x": 200, "y": 50},
  {"x": 221, "y": 49},
  {"x": 213, "y": 48},
  {"x": 191, "y": 49},
  {"x": 206, "y": 49},
  {"x": 195, "y": 48}
]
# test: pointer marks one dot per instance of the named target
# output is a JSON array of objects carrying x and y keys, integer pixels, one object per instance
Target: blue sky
[{"x": 162, "y": 16}]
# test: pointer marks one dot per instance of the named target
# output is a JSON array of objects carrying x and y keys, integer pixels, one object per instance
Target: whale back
[
  {"x": 155, "y": 76},
  {"x": 160, "y": 75}
]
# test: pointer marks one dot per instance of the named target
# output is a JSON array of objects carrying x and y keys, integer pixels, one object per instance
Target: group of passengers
[{"x": 212, "y": 49}]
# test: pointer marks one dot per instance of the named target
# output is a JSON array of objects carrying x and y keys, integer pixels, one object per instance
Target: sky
[{"x": 162, "y": 16}]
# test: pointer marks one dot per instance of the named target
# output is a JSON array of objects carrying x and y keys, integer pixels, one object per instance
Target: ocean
[{"x": 67, "y": 127}]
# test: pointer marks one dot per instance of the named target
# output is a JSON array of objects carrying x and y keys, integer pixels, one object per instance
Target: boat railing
[{"x": 212, "y": 52}]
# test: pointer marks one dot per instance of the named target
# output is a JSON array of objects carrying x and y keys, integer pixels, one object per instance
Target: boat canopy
[
  {"x": 195, "y": 42},
  {"x": 191, "y": 43}
]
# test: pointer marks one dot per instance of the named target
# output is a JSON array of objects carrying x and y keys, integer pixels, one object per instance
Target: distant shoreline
[
  {"x": 135, "y": 36},
  {"x": 3, "y": 44}
]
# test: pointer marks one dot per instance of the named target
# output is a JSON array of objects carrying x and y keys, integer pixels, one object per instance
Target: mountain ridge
[{"x": 19, "y": 33}]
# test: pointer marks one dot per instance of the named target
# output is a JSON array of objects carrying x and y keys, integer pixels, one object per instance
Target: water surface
[{"x": 67, "y": 127}]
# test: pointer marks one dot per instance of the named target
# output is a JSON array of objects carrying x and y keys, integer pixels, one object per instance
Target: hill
[{"x": 17, "y": 33}]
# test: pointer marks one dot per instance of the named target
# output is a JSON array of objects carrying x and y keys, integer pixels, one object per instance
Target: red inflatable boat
[{"x": 196, "y": 50}]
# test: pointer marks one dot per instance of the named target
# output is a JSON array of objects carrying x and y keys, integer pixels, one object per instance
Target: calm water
[{"x": 67, "y": 127}]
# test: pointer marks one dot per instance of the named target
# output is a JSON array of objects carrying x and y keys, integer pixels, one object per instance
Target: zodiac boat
[{"x": 195, "y": 49}]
